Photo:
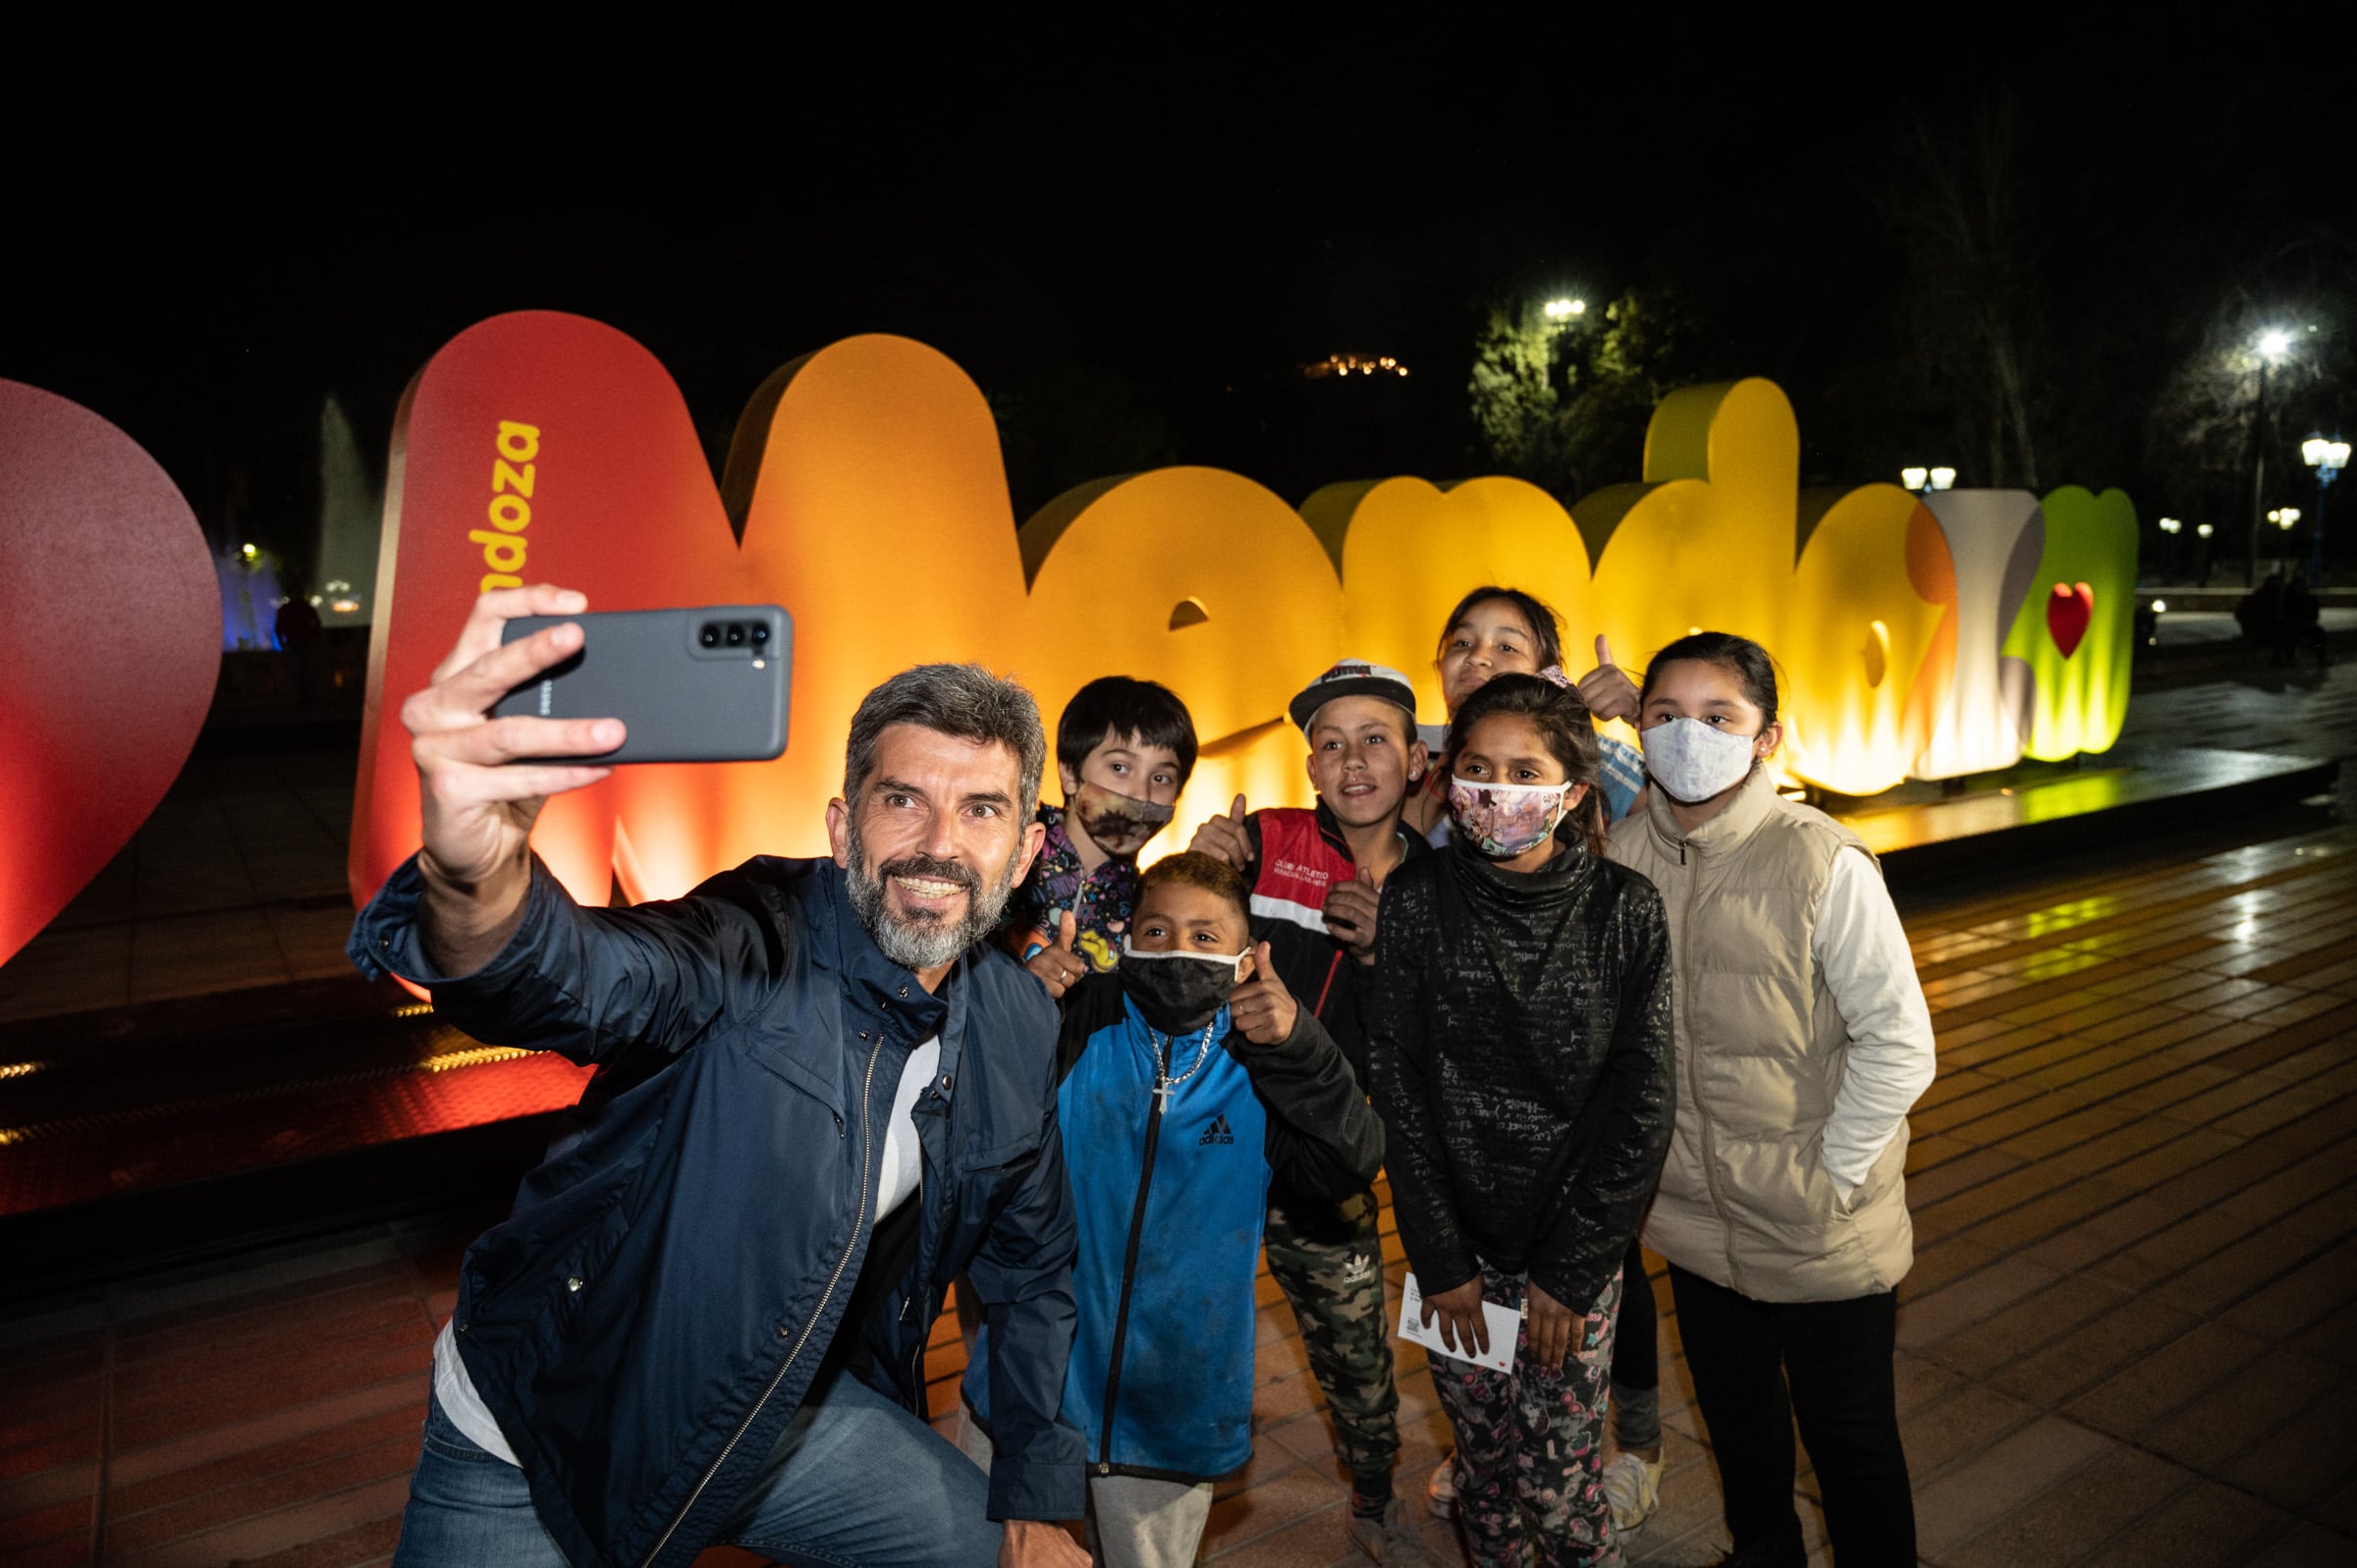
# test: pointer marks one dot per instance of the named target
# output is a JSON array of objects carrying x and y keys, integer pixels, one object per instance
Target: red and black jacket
[{"x": 1299, "y": 856}]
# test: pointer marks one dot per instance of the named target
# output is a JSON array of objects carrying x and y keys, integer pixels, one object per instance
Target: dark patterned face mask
[
  {"x": 1118, "y": 824},
  {"x": 1177, "y": 993}
]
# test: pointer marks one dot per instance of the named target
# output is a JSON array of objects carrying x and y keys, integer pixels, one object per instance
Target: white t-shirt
[{"x": 902, "y": 1173}]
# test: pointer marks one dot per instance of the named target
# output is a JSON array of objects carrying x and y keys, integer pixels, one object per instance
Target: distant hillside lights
[{"x": 1349, "y": 364}]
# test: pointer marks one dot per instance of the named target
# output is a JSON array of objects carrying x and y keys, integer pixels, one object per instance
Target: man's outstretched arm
[
  {"x": 478, "y": 799},
  {"x": 460, "y": 916}
]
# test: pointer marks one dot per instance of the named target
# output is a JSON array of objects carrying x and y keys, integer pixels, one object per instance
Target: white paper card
[{"x": 1505, "y": 1326}]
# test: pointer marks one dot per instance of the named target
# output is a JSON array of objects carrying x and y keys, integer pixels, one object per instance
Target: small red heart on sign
[
  {"x": 2068, "y": 610},
  {"x": 110, "y": 642}
]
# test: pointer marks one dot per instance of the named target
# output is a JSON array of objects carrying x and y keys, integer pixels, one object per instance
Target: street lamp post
[
  {"x": 2328, "y": 458},
  {"x": 2285, "y": 518},
  {"x": 2274, "y": 345}
]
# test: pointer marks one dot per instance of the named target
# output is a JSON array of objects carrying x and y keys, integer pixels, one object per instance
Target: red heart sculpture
[
  {"x": 110, "y": 643},
  {"x": 2068, "y": 610}
]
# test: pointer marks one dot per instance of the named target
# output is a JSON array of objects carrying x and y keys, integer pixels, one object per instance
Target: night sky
[{"x": 1133, "y": 237}]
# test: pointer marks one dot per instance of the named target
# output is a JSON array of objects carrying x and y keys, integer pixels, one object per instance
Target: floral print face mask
[{"x": 1502, "y": 820}]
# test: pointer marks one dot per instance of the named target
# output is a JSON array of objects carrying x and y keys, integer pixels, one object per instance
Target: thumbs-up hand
[
  {"x": 1607, "y": 689},
  {"x": 1224, "y": 837},
  {"x": 1350, "y": 914},
  {"x": 1261, "y": 1008},
  {"x": 1058, "y": 966}
]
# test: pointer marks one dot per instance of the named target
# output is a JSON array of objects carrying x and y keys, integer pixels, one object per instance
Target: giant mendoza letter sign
[
  {"x": 1949, "y": 634},
  {"x": 865, "y": 492}
]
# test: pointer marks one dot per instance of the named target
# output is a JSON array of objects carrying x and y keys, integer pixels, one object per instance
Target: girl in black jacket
[{"x": 1518, "y": 1041}]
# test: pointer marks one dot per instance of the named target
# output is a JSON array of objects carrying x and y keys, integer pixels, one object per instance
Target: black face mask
[{"x": 1177, "y": 993}]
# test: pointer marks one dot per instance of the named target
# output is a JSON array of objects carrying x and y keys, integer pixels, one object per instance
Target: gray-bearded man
[{"x": 819, "y": 1096}]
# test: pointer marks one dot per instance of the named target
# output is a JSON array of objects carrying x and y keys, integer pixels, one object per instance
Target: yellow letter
[
  {"x": 500, "y": 553},
  {"x": 518, "y": 443}
]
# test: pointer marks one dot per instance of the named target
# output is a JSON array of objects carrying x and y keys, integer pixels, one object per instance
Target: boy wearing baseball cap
[{"x": 1315, "y": 874}]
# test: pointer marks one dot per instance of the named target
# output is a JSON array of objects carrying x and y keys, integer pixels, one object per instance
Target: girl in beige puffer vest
[{"x": 1802, "y": 1038}]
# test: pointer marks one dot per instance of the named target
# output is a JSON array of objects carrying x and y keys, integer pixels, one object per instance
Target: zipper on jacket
[
  {"x": 1138, "y": 1232},
  {"x": 858, "y": 1223}
]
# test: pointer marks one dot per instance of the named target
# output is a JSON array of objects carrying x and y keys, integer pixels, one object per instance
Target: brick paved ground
[{"x": 2131, "y": 1337}]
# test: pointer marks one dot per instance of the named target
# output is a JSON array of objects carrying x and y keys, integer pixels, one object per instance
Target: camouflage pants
[
  {"x": 1330, "y": 1265},
  {"x": 1530, "y": 1443}
]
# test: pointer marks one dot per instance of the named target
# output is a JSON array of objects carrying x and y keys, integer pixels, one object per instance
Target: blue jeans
[{"x": 855, "y": 1479}]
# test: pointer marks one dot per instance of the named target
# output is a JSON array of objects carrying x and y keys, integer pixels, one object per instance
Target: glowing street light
[
  {"x": 2204, "y": 531},
  {"x": 2274, "y": 345},
  {"x": 1944, "y": 478},
  {"x": 1562, "y": 310},
  {"x": 2328, "y": 458},
  {"x": 1928, "y": 478},
  {"x": 2283, "y": 518},
  {"x": 2173, "y": 525}
]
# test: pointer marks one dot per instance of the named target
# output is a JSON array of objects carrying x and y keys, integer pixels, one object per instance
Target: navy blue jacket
[{"x": 647, "y": 1320}]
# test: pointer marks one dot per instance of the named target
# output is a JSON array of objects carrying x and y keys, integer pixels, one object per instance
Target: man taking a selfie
[{"x": 819, "y": 1096}]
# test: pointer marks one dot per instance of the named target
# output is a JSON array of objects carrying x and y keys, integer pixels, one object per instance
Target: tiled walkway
[
  {"x": 237, "y": 879},
  {"x": 2130, "y": 1336}
]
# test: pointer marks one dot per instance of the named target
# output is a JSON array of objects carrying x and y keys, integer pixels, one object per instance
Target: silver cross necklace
[{"x": 1163, "y": 1083}]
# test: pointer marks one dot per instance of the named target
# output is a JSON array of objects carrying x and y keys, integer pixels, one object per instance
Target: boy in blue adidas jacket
[{"x": 1189, "y": 1076}]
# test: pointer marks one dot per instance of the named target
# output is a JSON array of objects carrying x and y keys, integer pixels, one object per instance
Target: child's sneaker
[
  {"x": 1440, "y": 1493},
  {"x": 1391, "y": 1541},
  {"x": 1632, "y": 1487}
]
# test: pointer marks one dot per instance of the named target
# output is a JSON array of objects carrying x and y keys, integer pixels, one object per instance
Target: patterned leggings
[{"x": 1530, "y": 1443}]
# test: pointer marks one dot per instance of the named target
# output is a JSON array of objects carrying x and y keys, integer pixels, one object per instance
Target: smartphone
[{"x": 692, "y": 685}]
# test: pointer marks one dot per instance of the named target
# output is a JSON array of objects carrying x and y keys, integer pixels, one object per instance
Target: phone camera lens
[
  {"x": 736, "y": 633},
  {"x": 709, "y": 636},
  {"x": 760, "y": 633}
]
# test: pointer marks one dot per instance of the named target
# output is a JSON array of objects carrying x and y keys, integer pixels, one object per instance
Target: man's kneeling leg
[
  {"x": 858, "y": 1479},
  {"x": 468, "y": 1506}
]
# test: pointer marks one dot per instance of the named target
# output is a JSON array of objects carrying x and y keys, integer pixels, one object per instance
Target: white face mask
[{"x": 1691, "y": 760}]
